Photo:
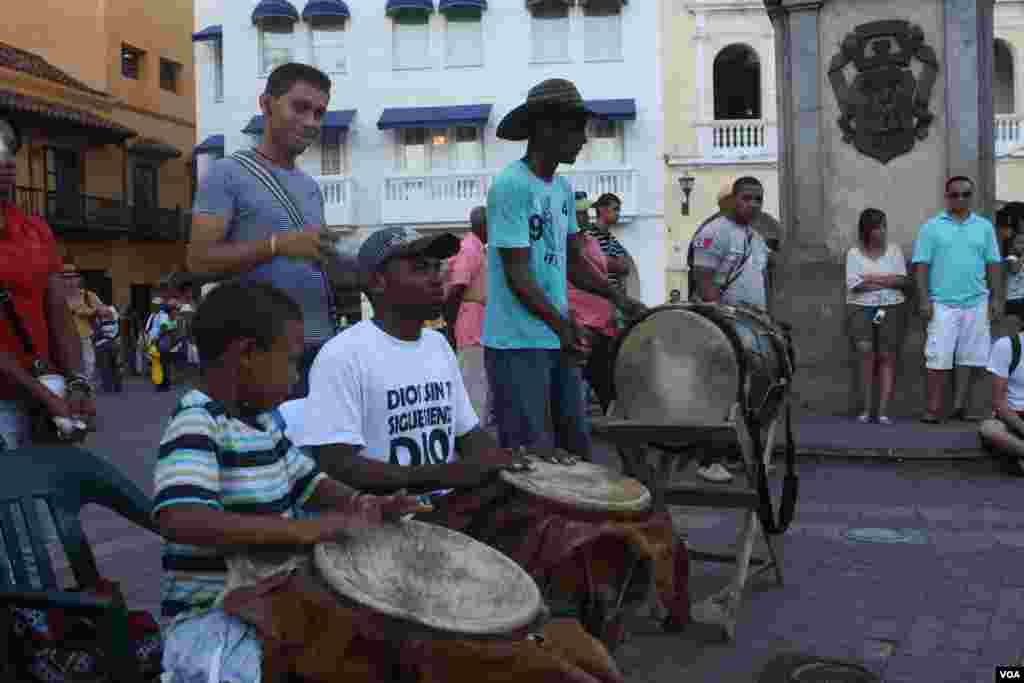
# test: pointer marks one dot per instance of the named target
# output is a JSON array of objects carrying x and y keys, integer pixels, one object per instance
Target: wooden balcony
[{"x": 87, "y": 217}]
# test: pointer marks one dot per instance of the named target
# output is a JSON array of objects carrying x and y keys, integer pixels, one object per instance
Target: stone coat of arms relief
[{"x": 885, "y": 110}]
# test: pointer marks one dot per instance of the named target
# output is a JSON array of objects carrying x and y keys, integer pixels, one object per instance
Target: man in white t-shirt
[
  {"x": 387, "y": 409},
  {"x": 1005, "y": 431}
]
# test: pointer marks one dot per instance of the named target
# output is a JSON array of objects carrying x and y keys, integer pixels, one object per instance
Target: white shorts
[{"x": 958, "y": 336}]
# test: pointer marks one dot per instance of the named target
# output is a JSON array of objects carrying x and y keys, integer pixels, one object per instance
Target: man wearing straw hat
[{"x": 532, "y": 346}]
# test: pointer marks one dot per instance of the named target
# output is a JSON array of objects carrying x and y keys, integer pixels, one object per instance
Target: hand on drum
[
  {"x": 553, "y": 456},
  {"x": 364, "y": 511},
  {"x": 508, "y": 459}
]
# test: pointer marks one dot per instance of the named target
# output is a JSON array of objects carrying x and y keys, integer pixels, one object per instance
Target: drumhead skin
[
  {"x": 433, "y": 576},
  {"x": 673, "y": 364},
  {"x": 583, "y": 486}
]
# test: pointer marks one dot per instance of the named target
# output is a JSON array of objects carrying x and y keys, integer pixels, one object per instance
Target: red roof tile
[
  {"x": 34, "y": 65},
  {"x": 79, "y": 117}
]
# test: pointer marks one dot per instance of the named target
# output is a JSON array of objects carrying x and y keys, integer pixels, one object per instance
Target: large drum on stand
[{"x": 694, "y": 362}]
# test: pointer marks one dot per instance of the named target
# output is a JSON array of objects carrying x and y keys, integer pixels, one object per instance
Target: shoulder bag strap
[
  {"x": 19, "y": 329},
  {"x": 251, "y": 163}
]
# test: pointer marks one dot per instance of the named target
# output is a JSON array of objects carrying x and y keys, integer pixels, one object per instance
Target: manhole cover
[
  {"x": 876, "y": 535},
  {"x": 801, "y": 669}
]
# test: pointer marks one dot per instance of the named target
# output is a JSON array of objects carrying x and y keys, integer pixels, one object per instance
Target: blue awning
[
  {"x": 325, "y": 9},
  {"x": 338, "y": 120},
  {"x": 614, "y": 110},
  {"x": 255, "y": 126},
  {"x": 446, "y": 5},
  {"x": 214, "y": 143},
  {"x": 274, "y": 9},
  {"x": 399, "y": 5},
  {"x": 214, "y": 32},
  {"x": 427, "y": 117}
]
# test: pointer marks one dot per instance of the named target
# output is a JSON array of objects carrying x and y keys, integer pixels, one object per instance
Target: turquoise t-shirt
[
  {"x": 525, "y": 211},
  {"x": 956, "y": 254}
]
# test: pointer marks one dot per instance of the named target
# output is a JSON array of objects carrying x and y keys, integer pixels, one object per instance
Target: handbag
[{"x": 43, "y": 428}]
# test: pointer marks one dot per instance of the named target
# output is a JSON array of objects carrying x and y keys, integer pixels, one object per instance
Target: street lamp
[{"x": 686, "y": 185}]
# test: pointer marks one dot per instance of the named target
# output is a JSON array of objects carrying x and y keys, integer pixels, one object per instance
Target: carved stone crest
[{"x": 885, "y": 110}]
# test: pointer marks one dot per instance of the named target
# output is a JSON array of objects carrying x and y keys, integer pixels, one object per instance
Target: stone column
[{"x": 825, "y": 180}]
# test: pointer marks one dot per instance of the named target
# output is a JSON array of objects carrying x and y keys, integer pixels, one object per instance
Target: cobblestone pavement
[{"x": 948, "y": 610}]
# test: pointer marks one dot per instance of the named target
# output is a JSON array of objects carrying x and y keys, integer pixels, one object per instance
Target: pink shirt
[
  {"x": 469, "y": 268},
  {"x": 590, "y": 310}
]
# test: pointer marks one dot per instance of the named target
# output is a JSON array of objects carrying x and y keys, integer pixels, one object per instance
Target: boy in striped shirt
[{"x": 228, "y": 481}]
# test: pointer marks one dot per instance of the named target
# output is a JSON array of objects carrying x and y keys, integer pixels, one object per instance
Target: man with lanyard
[
  {"x": 31, "y": 287},
  {"x": 532, "y": 346},
  {"x": 248, "y": 206},
  {"x": 730, "y": 264},
  {"x": 955, "y": 253}
]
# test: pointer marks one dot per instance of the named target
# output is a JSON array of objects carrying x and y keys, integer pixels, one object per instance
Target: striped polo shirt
[
  {"x": 209, "y": 458},
  {"x": 611, "y": 248}
]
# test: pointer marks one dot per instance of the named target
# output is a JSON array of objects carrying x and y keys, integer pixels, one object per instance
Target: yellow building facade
[
  {"x": 721, "y": 119},
  {"x": 104, "y": 96}
]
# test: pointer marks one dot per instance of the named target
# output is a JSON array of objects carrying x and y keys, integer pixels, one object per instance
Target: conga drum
[{"x": 432, "y": 580}]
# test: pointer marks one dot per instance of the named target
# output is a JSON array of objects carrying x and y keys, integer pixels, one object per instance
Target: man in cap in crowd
[{"x": 532, "y": 346}]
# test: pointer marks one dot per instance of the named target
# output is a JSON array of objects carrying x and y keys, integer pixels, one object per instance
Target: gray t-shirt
[
  {"x": 252, "y": 213},
  {"x": 720, "y": 248}
]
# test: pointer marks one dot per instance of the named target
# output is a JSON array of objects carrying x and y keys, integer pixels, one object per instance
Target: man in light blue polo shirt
[{"x": 957, "y": 263}]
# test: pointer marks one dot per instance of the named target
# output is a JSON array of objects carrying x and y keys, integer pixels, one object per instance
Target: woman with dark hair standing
[{"x": 876, "y": 274}]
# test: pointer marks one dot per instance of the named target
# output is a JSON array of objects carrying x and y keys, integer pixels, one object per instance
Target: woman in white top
[{"x": 876, "y": 274}]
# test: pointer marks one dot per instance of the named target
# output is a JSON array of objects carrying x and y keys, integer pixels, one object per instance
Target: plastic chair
[{"x": 66, "y": 478}]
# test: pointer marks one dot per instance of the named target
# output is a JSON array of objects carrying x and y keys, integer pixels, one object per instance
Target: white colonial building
[{"x": 419, "y": 89}]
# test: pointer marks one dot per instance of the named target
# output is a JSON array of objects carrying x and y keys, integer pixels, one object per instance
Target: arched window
[
  {"x": 1005, "y": 97},
  {"x": 737, "y": 83}
]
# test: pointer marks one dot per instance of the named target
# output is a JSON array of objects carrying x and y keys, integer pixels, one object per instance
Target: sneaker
[
  {"x": 714, "y": 473},
  {"x": 864, "y": 418},
  {"x": 883, "y": 420}
]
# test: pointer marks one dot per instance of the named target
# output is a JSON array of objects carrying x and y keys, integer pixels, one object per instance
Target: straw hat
[{"x": 554, "y": 93}]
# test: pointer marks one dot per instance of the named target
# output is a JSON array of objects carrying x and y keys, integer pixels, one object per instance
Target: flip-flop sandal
[{"x": 930, "y": 419}]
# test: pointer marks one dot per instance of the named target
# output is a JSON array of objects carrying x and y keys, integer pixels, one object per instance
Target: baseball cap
[{"x": 389, "y": 243}]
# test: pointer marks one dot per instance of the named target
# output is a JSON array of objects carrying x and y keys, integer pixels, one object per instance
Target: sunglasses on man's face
[{"x": 960, "y": 195}]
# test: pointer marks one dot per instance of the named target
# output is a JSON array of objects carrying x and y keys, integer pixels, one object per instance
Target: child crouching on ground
[{"x": 229, "y": 482}]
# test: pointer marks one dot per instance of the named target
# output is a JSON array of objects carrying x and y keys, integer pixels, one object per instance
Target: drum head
[
  {"x": 675, "y": 365},
  {"x": 583, "y": 486},
  {"x": 433, "y": 576}
]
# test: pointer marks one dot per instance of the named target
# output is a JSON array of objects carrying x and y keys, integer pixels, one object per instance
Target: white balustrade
[
  {"x": 339, "y": 209},
  {"x": 738, "y": 139},
  {"x": 435, "y": 198},
  {"x": 1008, "y": 133}
]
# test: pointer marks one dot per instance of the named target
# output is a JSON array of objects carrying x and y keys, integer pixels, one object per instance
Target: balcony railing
[
  {"x": 597, "y": 182},
  {"x": 76, "y": 214},
  {"x": 339, "y": 207},
  {"x": 738, "y": 139},
  {"x": 1008, "y": 133},
  {"x": 433, "y": 199}
]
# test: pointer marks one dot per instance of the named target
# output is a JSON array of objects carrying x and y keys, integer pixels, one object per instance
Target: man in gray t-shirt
[
  {"x": 241, "y": 229},
  {"x": 730, "y": 260}
]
